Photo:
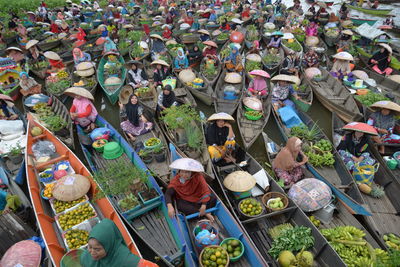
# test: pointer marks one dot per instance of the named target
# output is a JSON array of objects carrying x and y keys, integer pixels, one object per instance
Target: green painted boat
[
  {"x": 364, "y": 55},
  {"x": 360, "y": 21},
  {"x": 111, "y": 90},
  {"x": 371, "y": 11}
]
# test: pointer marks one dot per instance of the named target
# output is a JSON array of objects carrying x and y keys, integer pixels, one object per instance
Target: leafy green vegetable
[
  {"x": 304, "y": 133},
  {"x": 223, "y": 36},
  {"x": 252, "y": 65},
  {"x": 295, "y": 46},
  {"x": 370, "y": 98},
  {"x": 57, "y": 87}
]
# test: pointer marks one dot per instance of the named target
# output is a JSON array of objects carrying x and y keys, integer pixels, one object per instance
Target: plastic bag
[
  {"x": 365, "y": 173},
  {"x": 43, "y": 149},
  {"x": 100, "y": 133}
]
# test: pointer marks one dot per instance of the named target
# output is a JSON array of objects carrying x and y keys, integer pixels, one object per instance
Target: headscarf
[
  {"x": 22, "y": 73},
  {"x": 217, "y": 135},
  {"x": 194, "y": 190},
  {"x": 286, "y": 158},
  {"x": 132, "y": 111},
  {"x": 180, "y": 54},
  {"x": 168, "y": 100},
  {"x": 118, "y": 254},
  {"x": 234, "y": 53},
  {"x": 353, "y": 146},
  {"x": 56, "y": 63},
  {"x": 81, "y": 55},
  {"x": 109, "y": 45},
  {"x": 81, "y": 34},
  {"x": 158, "y": 45}
]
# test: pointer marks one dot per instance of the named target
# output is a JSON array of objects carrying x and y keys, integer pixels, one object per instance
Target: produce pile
[
  {"x": 76, "y": 216},
  {"x": 250, "y": 207},
  {"x": 271, "y": 59},
  {"x": 392, "y": 241},
  {"x": 253, "y": 115},
  {"x": 60, "y": 206},
  {"x": 195, "y": 82},
  {"x": 275, "y": 203},
  {"x": 58, "y": 83},
  {"x": 52, "y": 121},
  {"x": 233, "y": 248},
  {"x": 295, "y": 46},
  {"x": 332, "y": 32},
  {"x": 223, "y": 36},
  {"x": 153, "y": 141},
  {"x": 252, "y": 33},
  {"x": 252, "y": 65},
  {"x": 48, "y": 190},
  {"x": 172, "y": 49},
  {"x": 40, "y": 65},
  {"x": 143, "y": 91},
  {"x": 370, "y": 98},
  {"x": 355, "y": 251},
  {"x": 76, "y": 238},
  {"x": 128, "y": 203},
  {"x": 86, "y": 82},
  {"x": 208, "y": 69},
  {"x": 214, "y": 256}
]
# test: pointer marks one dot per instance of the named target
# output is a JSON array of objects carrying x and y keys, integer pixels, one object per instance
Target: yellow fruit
[{"x": 365, "y": 188}]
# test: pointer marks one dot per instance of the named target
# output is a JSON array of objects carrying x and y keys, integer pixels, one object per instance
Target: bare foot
[
  {"x": 132, "y": 138},
  {"x": 209, "y": 217}
]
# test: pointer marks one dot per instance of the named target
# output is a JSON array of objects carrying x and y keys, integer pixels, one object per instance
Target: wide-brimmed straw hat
[
  {"x": 11, "y": 48},
  {"x": 128, "y": 26},
  {"x": 137, "y": 63},
  {"x": 387, "y": 47},
  {"x": 73, "y": 91},
  {"x": 31, "y": 43},
  {"x": 261, "y": 73},
  {"x": 125, "y": 93},
  {"x": 156, "y": 36},
  {"x": 360, "y": 127},
  {"x": 203, "y": 31},
  {"x": 210, "y": 43},
  {"x": 286, "y": 78},
  {"x": 348, "y": 32},
  {"x": 387, "y": 105},
  {"x": 344, "y": 56},
  {"x": 161, "y": 62},
  {"x": 71, "y": 187},
  {"x": 237, "y": 21},
  {"x": 52, "y": 55},
  {"x": 187, "y": 164},
  {"x": 239, "y": 181},
  {"x": 85, "y": 69},
  {"x": 221, "y": 116}
]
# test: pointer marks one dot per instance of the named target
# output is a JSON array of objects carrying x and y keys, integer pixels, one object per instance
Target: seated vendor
[
  {"x": 282, "y": 90},
  {"x": 166, "y": 98},
  {"x": 380, "y": 61},
  {"x": 28, "y": 85},
  {"x": 181, "y": 61},
  {"x": 190, "y": 191},
  {"x": 233, "y": 62},
  {"x": 221, "y": 141},
  {"x": 137, "y": 76},
  {"x": 6, "y": 113},
  {"x": 288, "y": 163},
  {"x": 82, "y": 110},
  {"x": 55, "y": 61}
]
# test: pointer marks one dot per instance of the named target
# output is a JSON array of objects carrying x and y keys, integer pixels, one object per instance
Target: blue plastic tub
[
  {"x": 230, "y": 95},
  {"x": 289, "y": 117}
]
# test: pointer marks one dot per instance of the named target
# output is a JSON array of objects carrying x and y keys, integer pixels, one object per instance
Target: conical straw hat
[
  {"x": 239, "y": 181},
  {"x": 125, "y": 93},
  {"x": 221, "y": 116},
  {"x": 286, "y": 78},
  {"x": 52, "y": 55},
  {"x": 31, "y": 43},
  {"x": 387, "y": 105},
  {"x": 79, "y": 91},
  {"x": 187, "y": 164},
  {"x": 71, "y": 187}
]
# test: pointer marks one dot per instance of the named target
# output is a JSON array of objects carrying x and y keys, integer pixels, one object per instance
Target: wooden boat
[
  {"x": 322, "y": 50},
  {"x": 205, "y": 93},
  {"x": 366, "y": 55},
  {"x": 359, "y": 21},
  {"x": 371, "y": 11},
  {"x": 48, "y": 45},
  {"x": 225, "y": 105},
  {"x": 212, "y": 79},
  {"x": 112, "y": 90},
  {"x": 384, "y": 210},
  {"x": 257, "y": 227},
  {"x": 160, "y": 169},
  {"x": 274, "y": 66},
  {"x": 38, "y": 72},
  {"x": 90, "y": 83},
  {"x": 335, "y": 97},
  {"x": 66, "y": 135},
  {"x": 331, "y": 41},
  {"x": 60, "y": 93},
  {"x": 47, "y": 225},
  {"x": 341, "y": 216},
  {"x": 151, "y": 221},
  {"x": 227, "y": 227},
  {"x": 250, "y": 129},
  {"x": 299, "y": 54}
]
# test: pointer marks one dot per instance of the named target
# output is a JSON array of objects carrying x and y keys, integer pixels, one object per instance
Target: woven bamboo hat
[
  {"x": 31, "y": 43},
  {"x": 156, "y": 36},
  {"x": 221, "y": 116},
  {"x": 71, "y": 187},
  {"x": 233, "y": 77},
  {"x": 125, "y": 93},
  {"x": 387, "y": 105},
  {"x": 239, "y": 181},
  {"x": 161, "y": 62},
  {"x": 74, "y": 91},
  {"x": 187, "y": 164},
  {"x": 51, "y": 55},
  {"x": 286, "y": 78}
]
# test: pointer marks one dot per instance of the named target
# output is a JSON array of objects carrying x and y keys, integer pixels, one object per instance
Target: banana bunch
[
  {"x": 80, "y": 83},
  {"x": 392, "y": 241},
  {"x": 315, "y": 221}
]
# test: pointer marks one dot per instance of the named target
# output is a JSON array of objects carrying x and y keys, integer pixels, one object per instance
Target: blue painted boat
[
  {"x": 150, "y": 221},
  {"x": 227, "y": 225}
]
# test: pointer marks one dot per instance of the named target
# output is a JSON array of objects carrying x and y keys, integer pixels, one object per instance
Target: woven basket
[
  {"x": 270, "y": 195},
  {"x": 213, "y": 246}
]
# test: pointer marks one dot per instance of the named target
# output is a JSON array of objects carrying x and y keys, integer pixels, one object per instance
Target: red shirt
[{"x": 87, "y": 112}]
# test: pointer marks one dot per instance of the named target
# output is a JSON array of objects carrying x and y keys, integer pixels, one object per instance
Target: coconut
[
  {"x": 395, "y": 78},
  {"x": 112, "y": 81},
  {"x": 312, "y": 72},
  {"x": 286, "y": 258},
  {"x": 254, "y": 57},
  {"x": 305, "y": 259},
  {"x": 233, "y": 77},
  {"x": 187, "y": 76},
  {"x": 312, "y": 41},
  {"x": 36, "y": 131}
]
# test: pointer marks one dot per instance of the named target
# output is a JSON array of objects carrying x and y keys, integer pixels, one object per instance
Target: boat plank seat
[{"x": 42, "y": 166}]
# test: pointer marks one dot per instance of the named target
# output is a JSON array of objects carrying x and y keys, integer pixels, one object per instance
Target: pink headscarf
[
  {"x": 256, "y": 44},
  {"x": 81, "y": 55}
]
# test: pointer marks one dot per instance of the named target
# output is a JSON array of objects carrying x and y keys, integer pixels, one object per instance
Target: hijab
[
  {"x": 234, "y": 53},
  {"x": 193, "y": 190},
  {"x": 81, "y": 55},
  {"x": 180, "y": 54},
  {"x": 118, "y": 254},
  {"x": 217, "y": 135},
  {"x": 168, "y": 100},
  {"x": 109, "y": 45},
  {"x": 132, "y": 111},
  {"x": 353, "y": 146},
  {"x": 286, "y": 158}
]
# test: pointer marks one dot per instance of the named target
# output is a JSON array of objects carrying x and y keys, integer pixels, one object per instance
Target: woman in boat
[
  {"x": 80, "y": 56},
  {"x": 34, "y": 54},
  {"x": 288, "y": 163},
  {"x": 103, "y": 31},
  {"x": 282, "y": 91},
  {"x": 167, "y": 33},
  {"x": 343, "y": 11},
  {"x": 332, "y": 21},
  {"x": 233, "y": 62},
  {"x": 136, "y": 123},
  {"x": 6, "y": 113},
  {"x": 221, "y": 141},
  {"x": 312, "y": 29},
  {"x": 157, "y": 46},
  {"x": 258, "y": 86},
  {"x": 210, "y": 50},
  {"x": 276, "y": 40},
  {"x": 28, "y": 85},
  {"x": 161, "y": 71},
  {"x": 380, "y": 61},
  {"x": 195, "y": 54},
  {"x": 189, "y": 189},
  {"x": 55, "y": 61},
  {"x": 109, "y": 46},
  {"x": 107, "y": 247},
  {"x": 204, "y": 35},
  {"x": 166, "y": 98},
  {"x": 137, "y": 76},
  {"x": 311, "y": 59},
  {"x": 255, "y": 48},
  {"x": 181, "y": 61},
  {"x": 195, "y": 26},
  {"x": 16, "y": 54},
  {"x": 290, "y": 65},
  {"x": 342, "y": 66},
  {"x": 353, "y": 149},
  {"x": 213, "y": 16},
  {"x": 384, "y": 121},
  {"x": 82, "y": 111},
  {"x": 225, "y": 26},
  {"x": 345, "y": 41}
]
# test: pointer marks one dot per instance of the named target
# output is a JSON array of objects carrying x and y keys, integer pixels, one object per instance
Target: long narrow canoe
[
  {"x": 47, "y": 225},
  {"x": 359, "y": 21},
  {"x": 225, "y": 105},
  {"x": 90, "y": 83},
  {"x": 299, "y": 53},
  {"x": 335, "y": 97},
  {"x": 366, "y": 55},
  {"x": 249, "y": 129},
  {"x": 273, "y": 67},
  {"x": 151, "y": 221},
  {"x": 372, "y": 11},
  {"x": 111, "y": 90},
  {"x": 384, "y": 210},
  {"x": 205, "y": 93},
  {"x": 257, "y": 227},
  {"x": 227, "y": 227},
  {"x": 212, "y": 79}
]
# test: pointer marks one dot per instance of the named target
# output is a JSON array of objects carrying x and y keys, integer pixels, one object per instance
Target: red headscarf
[
  {"x": 54, "y": 28},
  {"x": 56, "y": 63},
  {"x": 167, "y": 33},
  {"x": 81, "y": 34},
  {"x": 193, "y": 190}
]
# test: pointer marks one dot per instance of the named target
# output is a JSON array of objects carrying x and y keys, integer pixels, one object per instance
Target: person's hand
[
  {"x": 171, "y": 211},
  {"x": 383, "y": 131},
  {"x": 6, "y": 210},
  {"x": 120, "y": 105},
  {"x": 305, "y": 159},
  {"x": 14, "y": 117},
  {"x": 72, "y": 115},
  {"x": 202, "y": 210}
]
